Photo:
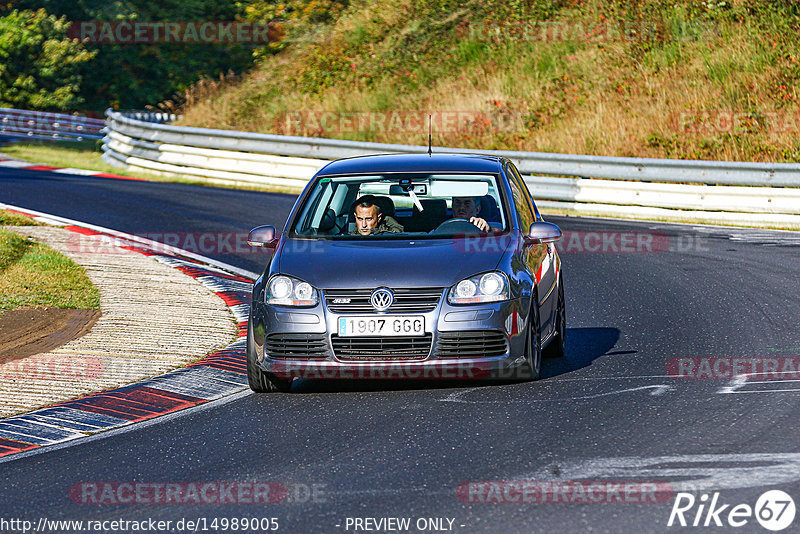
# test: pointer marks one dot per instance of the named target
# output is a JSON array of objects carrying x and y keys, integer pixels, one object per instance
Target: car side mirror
[
  {"x": 543, "y": 232},
  {"x": 263, "y": 236}
]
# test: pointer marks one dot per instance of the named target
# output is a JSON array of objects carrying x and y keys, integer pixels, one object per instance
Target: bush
[{"x": 40, "y": 68}]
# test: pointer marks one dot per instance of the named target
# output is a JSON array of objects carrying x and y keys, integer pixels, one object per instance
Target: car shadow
[{"x": 584, "y": 345}]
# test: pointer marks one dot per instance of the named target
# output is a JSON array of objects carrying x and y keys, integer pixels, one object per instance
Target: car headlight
[
  {"x": 287, "y": 291},
  {"x": 488, "y": 287}
]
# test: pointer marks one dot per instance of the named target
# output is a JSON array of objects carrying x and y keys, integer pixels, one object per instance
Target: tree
[
  {"x": 133, "y": 75},
  {"x": 40, "y": 68}
]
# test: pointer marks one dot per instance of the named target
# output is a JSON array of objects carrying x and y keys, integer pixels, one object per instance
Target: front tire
[
  {"x": 259, "y": 380},
  {"x": 557, "y": 347},
  {"x": 533, "y": 345}
]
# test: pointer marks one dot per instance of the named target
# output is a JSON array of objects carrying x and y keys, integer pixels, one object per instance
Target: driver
[
  {"x": 469, "y": 208},
  {"x": 370, "y": 219}
]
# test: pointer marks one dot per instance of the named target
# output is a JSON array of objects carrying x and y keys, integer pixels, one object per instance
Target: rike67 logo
[{"x": 774, "y": 510}]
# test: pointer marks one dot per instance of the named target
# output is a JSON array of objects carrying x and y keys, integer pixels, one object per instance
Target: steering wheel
[{"x": 457, "y": 226}]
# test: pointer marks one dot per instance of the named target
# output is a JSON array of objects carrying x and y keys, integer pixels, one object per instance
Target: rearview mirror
[
  {"x": 399, "y": 190},
  {"x": 543, "y": 232},
  {"x": 452, "y": 188},
  {"x": 262, "y": 236}
]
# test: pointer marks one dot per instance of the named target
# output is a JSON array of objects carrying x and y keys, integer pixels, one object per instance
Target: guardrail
[
  {"x": 710, "y": 191},
  {"x": 17, "y": 124}
]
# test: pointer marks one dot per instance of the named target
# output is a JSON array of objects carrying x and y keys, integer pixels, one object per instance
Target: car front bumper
[{"x": 505, "y": 321}]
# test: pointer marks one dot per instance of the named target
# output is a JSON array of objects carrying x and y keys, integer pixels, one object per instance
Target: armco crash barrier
[
  {"x": 709, "y": 191},
  {"x": 18, "y": 124}
]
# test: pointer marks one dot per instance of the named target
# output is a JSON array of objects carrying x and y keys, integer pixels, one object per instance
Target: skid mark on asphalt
[
  {"x": 458, "y": 396},
  {"x": 686, "y": 472},
  {"x": 754, "y": 236},
  {"x": 738, "y": 384}
]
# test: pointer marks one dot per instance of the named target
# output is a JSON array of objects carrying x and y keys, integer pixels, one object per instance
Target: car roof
[{"x": 391, "y": 163}]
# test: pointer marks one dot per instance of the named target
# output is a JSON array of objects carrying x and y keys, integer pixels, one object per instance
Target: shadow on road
[{"x": 584, "y": 345}]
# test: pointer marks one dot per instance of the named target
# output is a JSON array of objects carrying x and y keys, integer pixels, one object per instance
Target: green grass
[
  {"x": 77, "y": 155},
  {"x": 559, "y": 91},
  {"x": 15, "y": 219},
  {"x": 33, "y": 275},
  {"x": 86, "y": 156}
]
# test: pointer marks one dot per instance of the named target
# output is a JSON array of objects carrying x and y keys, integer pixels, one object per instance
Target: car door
[{"x": 539, "y": 258}]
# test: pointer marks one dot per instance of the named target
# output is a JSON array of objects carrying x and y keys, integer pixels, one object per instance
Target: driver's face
[
  {"x": 366, "y": 219},
  {"x": 465, "y": 207}
]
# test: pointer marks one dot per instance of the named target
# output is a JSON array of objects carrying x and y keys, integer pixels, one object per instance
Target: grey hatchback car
[{"x": 407, "y": 266}]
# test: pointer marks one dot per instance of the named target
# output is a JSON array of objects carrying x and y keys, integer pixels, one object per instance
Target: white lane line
[
  {"x": 658, "y": 389},
  {"x": 456, "y": 395},
  {"x": 773, "y": 381},
  {"x": 15, "y": 164},
  {"x": 627, "y": 377},
  {"x": 683, "y": 472},
  {"x": 740, "y": 381},
  {"x": 768, "y": 391},
  {"x": 737, "y": 382},
  {"x": 82, "y": 172},
  {"x": 691, "y": 472}
]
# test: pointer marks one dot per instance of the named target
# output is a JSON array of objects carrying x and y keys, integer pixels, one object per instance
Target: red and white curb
[
  {"x": 218, "y": 375},
  {"x": 25, "y": 165}
]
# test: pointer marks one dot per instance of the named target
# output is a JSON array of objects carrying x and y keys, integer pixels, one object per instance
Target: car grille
[
  {"x": 470, "y": 344},
  {"x": 382, "y": 348},
  {"x": 405, "y": 300},
  {"x": 296, "y": 346}
]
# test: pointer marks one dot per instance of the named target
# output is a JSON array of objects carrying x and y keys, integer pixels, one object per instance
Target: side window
[
  {"x": 525, "y": 189},
  {"x": 526, "y": 215}
]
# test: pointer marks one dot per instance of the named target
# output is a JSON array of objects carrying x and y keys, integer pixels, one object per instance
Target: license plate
[{"x": 381, "y": 325}]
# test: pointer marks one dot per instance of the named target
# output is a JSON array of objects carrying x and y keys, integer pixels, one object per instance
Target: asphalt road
[{"x": 608, "y": 412}]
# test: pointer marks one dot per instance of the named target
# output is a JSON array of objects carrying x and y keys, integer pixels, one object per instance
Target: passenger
[
  {"x": 370, "y": 219},
  {"x": 469, "y": 208}
]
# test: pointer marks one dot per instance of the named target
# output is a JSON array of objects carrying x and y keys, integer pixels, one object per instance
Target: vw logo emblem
[{"x": 381, "y": 299}]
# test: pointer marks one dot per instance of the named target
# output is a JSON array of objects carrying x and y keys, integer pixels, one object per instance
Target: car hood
[{"x": 393, "y": 263}]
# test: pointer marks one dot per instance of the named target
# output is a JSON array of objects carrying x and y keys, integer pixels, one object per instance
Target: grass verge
[
  {"x": 34, "y": 275},
  {"x": 8, "y": 218},
  {"x": 666, "y": 78},
  {"x": 77, "y": 155}
]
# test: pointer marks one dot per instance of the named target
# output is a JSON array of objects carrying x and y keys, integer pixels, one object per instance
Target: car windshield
[{"x": 402, "y": 205}]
